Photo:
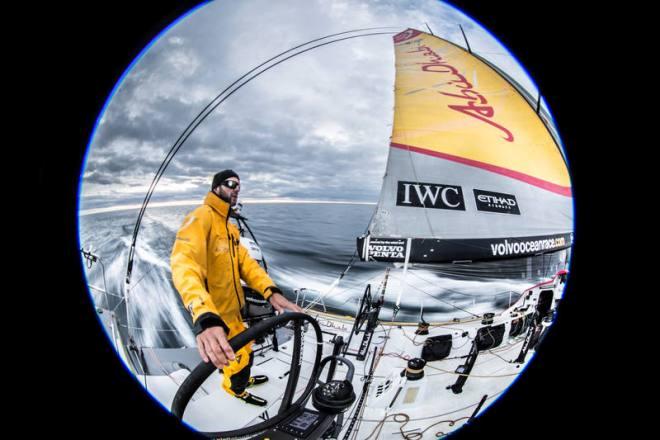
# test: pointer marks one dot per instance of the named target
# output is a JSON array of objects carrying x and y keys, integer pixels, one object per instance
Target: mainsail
[{"x": 473, "y": 172}]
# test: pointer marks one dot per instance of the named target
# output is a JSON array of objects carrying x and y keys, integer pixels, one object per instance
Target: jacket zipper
[{"x": 231, "y": 258}]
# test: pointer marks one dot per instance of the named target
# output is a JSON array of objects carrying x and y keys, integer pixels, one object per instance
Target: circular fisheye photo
[{"x": 351, "y": 221}]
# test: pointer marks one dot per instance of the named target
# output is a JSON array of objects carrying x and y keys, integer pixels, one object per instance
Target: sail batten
[{"x": 473, "y": 172}]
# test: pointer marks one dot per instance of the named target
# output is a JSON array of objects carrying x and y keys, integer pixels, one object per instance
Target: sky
[{"x": 315, "y": 127}]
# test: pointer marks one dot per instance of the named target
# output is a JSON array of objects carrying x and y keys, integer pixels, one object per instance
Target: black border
[{"x": 87, "y": 49}]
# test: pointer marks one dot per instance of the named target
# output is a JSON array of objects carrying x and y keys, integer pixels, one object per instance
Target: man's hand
[
  {"x": 280, "y": 303},
  {"x": 212, "y": 344}
]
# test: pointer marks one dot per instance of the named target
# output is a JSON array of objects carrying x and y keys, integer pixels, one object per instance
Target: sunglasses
[{"x": 231, "y": 184}]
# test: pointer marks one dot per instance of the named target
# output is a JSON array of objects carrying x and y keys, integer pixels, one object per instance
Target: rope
[
  {"x": 403, "y": 420},
  {"x": 497, "y": 355},
  {"x": 407, "y": 418},
  {"x": 473, "y": 375},
  {"x": 438, "y": 415},
  {"x": 416, "y": 344}
]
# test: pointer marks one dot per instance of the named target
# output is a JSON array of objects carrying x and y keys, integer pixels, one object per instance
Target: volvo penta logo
[
  {"x": 429, "y": 195},
  {"x": 496, "y": 202},
  {"x": 387, "y": 248}
]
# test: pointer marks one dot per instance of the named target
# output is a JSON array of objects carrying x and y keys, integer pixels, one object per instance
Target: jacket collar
[{"x": 215, "y": 202}]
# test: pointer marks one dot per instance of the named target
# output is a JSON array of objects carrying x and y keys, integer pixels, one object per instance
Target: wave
[{"x": 307, "y": 247}]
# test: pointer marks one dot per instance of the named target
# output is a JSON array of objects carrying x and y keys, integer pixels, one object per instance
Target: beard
[{"x": 229, "y": 199}]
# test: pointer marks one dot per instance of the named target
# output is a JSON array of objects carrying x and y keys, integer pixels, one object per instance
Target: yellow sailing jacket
[{"x": 208, "y": 262}]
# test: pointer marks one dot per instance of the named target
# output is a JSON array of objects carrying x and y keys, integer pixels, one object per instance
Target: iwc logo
[
  {"x": 429, "y": 195},
  {"x": 496, "y": 202}
]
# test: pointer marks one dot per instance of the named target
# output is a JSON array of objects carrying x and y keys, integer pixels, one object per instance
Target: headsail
[{"x": 473, "y": 173}]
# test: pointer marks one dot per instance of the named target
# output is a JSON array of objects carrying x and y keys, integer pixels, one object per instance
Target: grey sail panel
[
  {"x": 428, "y": 197},
  {"x": 472, "y": 171}
]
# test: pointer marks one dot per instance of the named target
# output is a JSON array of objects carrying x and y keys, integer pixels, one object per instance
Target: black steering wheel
[{"x": 205, "y": 369}]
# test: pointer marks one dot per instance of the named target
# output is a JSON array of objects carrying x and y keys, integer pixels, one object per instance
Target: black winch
[{"x": 415, "y": 369}]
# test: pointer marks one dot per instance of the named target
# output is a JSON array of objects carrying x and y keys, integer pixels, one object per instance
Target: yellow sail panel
[{"x": 451, "y": 105}]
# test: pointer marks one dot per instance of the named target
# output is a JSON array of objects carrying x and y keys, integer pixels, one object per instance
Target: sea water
[{"x": 306, "y": 246}]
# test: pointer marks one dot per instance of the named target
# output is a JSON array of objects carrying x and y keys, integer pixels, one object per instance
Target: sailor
[{"x": 208, "y": 262}]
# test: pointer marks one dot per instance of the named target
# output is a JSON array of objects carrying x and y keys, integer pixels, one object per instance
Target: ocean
[{"x": 306, "y": 247}]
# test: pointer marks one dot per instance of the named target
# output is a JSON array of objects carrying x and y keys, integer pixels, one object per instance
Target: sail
[{"x": 473, "y": 173}]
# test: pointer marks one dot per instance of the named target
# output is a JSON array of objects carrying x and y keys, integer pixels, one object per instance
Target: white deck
[{"x": 425, "y": 406}]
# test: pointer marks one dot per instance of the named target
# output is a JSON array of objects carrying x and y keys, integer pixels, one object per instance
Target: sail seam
[{"x": 535, "y": 181}]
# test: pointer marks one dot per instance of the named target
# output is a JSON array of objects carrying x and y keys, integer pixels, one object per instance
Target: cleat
[
  {"x": 252, "y": 399},
  {"x": 257, "y": 380}
]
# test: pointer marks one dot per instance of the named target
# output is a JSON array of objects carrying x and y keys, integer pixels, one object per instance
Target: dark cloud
[
  {"x": 101, "y": 178},
  {"x": 316, "y": 126}
]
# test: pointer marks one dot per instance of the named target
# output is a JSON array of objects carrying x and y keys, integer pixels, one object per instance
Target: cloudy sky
[{"x": 314, "y": 127}]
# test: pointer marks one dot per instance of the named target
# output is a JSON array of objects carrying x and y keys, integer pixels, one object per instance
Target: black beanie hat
[{"x": 222, "y": 176}]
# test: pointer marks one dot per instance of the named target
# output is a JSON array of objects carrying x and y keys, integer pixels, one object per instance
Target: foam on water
[{"x": 306, "y": 246}]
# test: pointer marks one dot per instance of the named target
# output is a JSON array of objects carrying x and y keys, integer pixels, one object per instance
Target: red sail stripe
[{"x": 544, "y": 184}]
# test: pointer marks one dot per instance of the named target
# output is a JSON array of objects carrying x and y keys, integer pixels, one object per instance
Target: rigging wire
[
  {"x": 334, "y": 283},
  {"x": 155, "y": 329},
  {"x": 143, "y": 276},
  {"x": 102, "y": 290},
  {"x": 263, "y": 259},
  {"x": 438, "y": 299},
  {"x": 219, "y": 99},
  {"x": 407, "y": 357},
  {"x": 348, "y": 267},
  {"x": 359, "y": 283},
  {"x": 457, "y": 292},
  {"x": 213, "y": 105},
  {"x": 90, "y": 259},
  {"x": 380, "y": 292}
]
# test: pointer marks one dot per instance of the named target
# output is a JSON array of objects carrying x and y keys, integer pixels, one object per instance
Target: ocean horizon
[{"x": 307, "y": 245}]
